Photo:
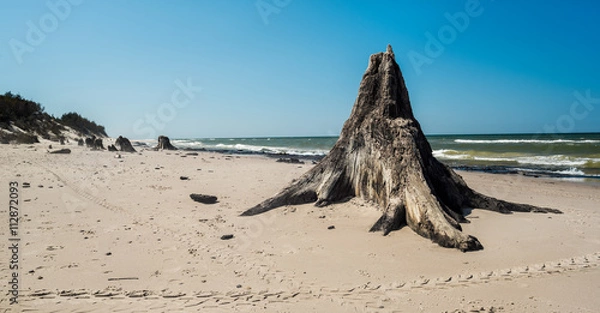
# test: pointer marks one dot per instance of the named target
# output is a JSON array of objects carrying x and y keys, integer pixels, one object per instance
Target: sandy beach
[{"x": 100, "y": 233}]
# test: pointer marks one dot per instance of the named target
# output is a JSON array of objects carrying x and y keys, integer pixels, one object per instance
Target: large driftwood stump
[
  {"x": 164, "y": 144},
  {"x": 124, "y": 144},
  {"x": 382, "y": 155}
]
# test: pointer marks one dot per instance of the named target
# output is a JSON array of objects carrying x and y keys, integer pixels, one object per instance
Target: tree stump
[
  {"x": 164, "y": 144},
  {"x": 98, "y": 144},
  {"x": 89, "y": 142},
  {"x": 382, "y": 155},
  {"x": 124, "y": 144}
]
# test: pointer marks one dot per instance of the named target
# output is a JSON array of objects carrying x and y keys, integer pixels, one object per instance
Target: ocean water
[{"x": 556, "y": 155}]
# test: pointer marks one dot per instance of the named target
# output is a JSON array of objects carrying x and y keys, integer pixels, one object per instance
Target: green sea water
[{"x": 561, "y": 155}]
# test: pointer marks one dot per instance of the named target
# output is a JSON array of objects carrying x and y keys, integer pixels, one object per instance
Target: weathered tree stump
[
  {"x": 98, "y": 144},
  {"x": 89, "y": 142},
  {"x": 164, "y": 144},
  {"x": 124, "y": 144},
  {"x": 382, "y": 155}
]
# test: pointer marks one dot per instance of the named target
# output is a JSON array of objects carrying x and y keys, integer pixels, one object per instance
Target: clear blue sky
[{"x": 293, "y": 68}]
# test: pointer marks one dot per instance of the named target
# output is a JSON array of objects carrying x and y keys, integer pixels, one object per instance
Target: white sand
[{"x": 166, "y": 249}]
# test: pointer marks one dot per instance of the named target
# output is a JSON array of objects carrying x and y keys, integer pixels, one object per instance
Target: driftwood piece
[
  {"x": 383, "y": 156},
  {"x": 290, "y": 160},
  {"x": 206, "y": 199},
  {"x": 61, "y": 151}
]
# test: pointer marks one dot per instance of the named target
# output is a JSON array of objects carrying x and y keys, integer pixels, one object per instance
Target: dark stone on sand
[
  {"x": 331, "y": 227},
  {"x": 61, "y": 151},
  {"x": 164, "y": 144},
  {"x": 124, "y": 144},
  {"x": 80, "y": 142},
  {"x": 184, "y": 178},
  {"x": 206, "y": 199},
  {"x": 112, "y": 148},
  {"x": 290, "y": 160},
  {"x": 192, "y": 153},
  {"x": 226, "y": 237}
]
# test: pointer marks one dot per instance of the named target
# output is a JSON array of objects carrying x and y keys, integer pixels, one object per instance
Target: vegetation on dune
[
  {"x": 30, "y": 117},
  {"x": 82, "y": 124}
]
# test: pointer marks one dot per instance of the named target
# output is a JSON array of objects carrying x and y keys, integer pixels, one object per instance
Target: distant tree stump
[
  {"x": 124, "y": 144},
  {"x": 89, "y": 142},
  {"x": 98, "y": 144},
  {"x": 164, "y": 144},
  {"x": 382, "y": 155}
]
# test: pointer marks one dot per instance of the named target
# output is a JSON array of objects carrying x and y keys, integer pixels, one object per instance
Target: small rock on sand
[{"x": 226, "y": 237}]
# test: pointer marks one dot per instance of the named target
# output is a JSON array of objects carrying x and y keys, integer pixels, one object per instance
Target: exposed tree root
[{"x": 383, "y": 156}]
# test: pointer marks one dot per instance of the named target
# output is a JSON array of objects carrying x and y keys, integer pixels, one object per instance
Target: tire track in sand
[{"x": 374, "y": 296}]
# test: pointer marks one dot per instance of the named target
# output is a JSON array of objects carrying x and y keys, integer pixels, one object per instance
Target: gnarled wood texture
[{"x": 382, "y": 155}]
